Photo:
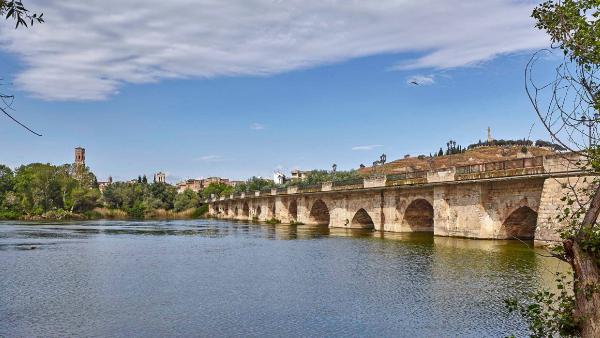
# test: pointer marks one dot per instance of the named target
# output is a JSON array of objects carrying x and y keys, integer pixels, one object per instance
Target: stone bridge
[{"x": 498, "y": 200}]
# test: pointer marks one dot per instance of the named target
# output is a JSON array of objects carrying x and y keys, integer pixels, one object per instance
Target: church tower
[{"x": 80, "y": 156}]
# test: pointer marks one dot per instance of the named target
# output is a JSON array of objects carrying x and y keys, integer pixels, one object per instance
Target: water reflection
[{"x": 218, "y": 278}]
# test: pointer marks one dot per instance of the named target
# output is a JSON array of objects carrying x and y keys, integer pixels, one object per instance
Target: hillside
[{"x": 473, "y": 156}]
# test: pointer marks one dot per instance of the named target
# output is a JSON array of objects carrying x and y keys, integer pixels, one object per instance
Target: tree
[
  {"x": 187, "y": 200},
  {"x": 144, "y": 179},
  {"x": 217, "y": 189},
  {"x": 568, "y": 106}
]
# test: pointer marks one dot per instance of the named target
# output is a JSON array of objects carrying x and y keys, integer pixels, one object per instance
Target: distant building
[
  {"x": 160, "y": 177},
  {"x": 217, "y": 180},
  {"x": 192, "y": 184},
  {"x": 198, "y": 185},
  {"x": 80, "y": 156},
  {"x": 102, "y": 185},
  {"x": 298, "y": 174},
  {"x": 235, "y": 183},
  {"x": 278, "y": 177}
]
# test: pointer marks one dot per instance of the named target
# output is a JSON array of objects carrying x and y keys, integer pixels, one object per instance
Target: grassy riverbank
[{"x": 106, "y": 213}]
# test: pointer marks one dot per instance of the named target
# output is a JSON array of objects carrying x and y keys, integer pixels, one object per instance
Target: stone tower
[
  {"x": 160, "y": 177},
  {"x": 489, "y": 138},
  {"x": 80, "y": 156}
]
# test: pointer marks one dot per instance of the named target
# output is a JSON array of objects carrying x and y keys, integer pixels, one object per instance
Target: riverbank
[{"x": 106, "y": 213}]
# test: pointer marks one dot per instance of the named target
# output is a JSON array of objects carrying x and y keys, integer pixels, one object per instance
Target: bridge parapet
[
  {"x": 375, "y": 181},
  {"x": 441, "y": 175},
  {"x": 407, "y": 178},
  {"x": 517, "y": 167},
  {"x": 559, "y": 163},
  {"x": 562, "y": 162},
  {"x": 356, "y": 183}
]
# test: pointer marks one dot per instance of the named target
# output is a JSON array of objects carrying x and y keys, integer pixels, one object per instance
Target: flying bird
[{"x": 415, "y": 83}]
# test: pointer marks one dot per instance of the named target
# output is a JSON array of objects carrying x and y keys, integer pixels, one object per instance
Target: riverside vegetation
[{"x": 40, "y": 191}]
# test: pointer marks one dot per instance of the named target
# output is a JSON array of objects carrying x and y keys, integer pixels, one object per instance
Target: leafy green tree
[
  {"x": 164, "y": 195},
  {"x": 186, "y": 200},
  {"x": 144, "y": 179},
  {"x": 217, "y": 189},
  {"x": 6, "y": 181}
]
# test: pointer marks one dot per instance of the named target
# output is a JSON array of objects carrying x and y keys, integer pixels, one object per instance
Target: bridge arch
[
  {"x": 257, "y": 211},
  {"x": 293, "y": 210},
  {"x": 362, "y": 220},
  {"x": 319, "y": 213},
  {"x": 419, "y": 215},
  {"x": 245, "y": 210},
  {"x": 521, "y": 223}
]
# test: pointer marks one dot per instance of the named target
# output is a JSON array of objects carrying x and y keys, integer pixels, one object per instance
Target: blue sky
[{"x": 233, "y": 117}]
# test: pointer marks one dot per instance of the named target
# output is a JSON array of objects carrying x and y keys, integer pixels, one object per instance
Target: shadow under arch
[
  {"x": 419, "y": 215},
  {"x": 362, "y": 220},
  {"x": 520, "y": 224},
  {"x": 293, "y": 210},
  {"x": 319, "y": 213},
  {"x": 245, "y": 210},
  {"x": 258, "y": 211}
]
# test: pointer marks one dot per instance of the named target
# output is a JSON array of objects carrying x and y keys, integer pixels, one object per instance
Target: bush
[
  {"x": 8, "y": 214},
  {"x": 273, "y": 221},
  {"x": 200, "y": 212},
  {"x": 138, "y": 211}
]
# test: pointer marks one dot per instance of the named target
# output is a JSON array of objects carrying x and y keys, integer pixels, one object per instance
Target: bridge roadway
[{"x": 497, "y": 200}]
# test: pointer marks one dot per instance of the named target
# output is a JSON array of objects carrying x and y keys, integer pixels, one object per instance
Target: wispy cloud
[
  {"x": 257, "y": 126},
  {"x": 421, "y": 80},
  {"x": 212, "y": 158},
  {"x": 87, "y": 51},
  {"x": 367, "y": 147}
]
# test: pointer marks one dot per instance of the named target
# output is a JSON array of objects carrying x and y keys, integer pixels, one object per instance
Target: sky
[{"x": 245, "y": 87}]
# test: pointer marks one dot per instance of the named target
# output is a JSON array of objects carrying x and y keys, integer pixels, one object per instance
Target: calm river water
[{"x": 214, "y": 278}]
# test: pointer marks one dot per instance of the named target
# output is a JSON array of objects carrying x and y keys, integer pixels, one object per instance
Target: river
[{"x": 221, "y": 279}]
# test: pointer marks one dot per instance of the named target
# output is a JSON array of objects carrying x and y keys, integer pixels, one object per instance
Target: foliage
[
  {"x": 15, "y": 10},
  {"x": 200, "y": 211},
  {"x": 574, "y": 27},
  {"x": 254, "y": 184},
  {"x": 273, "y": 221},
  {"x": 217, "y": 189},
  {"x": 186, "y": 200},
  {"x": 38, "y": 188},
  {"x": 137, "y": 196},
  {"x": 547, "y": 312}
]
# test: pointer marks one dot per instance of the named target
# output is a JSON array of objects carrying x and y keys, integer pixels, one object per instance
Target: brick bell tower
[{"x": 80, "y": 157}]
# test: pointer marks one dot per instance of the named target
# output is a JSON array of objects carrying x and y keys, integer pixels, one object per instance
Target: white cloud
[
  {"x": 257, "y": 126},
  {"x": 367, "y": 147},
  {"x": 421, "y": 80},
  {"x": 87, "y": 50},
  {"x": 212, "y": 158}
]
